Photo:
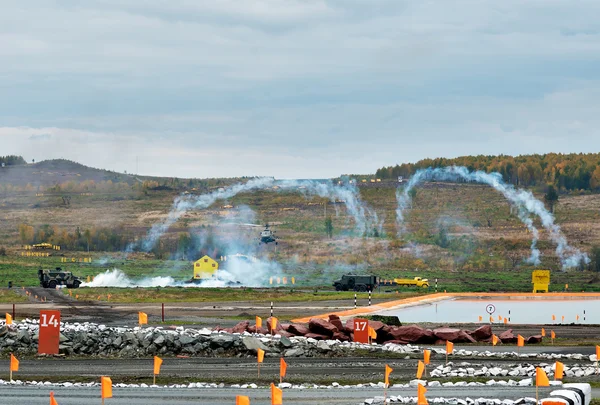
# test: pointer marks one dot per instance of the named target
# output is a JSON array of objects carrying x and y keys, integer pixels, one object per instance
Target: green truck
[{"x": 361, "y": 283}]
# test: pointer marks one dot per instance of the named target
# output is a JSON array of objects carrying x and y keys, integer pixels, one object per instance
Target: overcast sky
[{"x": 295, "y": 88}]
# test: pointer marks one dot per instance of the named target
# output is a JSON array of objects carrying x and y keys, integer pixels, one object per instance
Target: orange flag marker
[
  {"x": 388, "y": 371},
  {"x": 480, "y": 318},
  {"x": 105, "y": 388},
  {"x": 421, "y": 390},
  {"x": 449, "y": 349},
  {"x": 258, "y": 322},
  {"x": 552, "y": 336},
  {"x": 372, "y": 334},
  {"x": 282, "y": 369},
  {"x": 52, "y": 400},
  {"x": 420, "y": 369},
  {"x": 157, "y": 363},
  {"x": 9, "y": 319},
  {"x": 494, "y": 340},
  {"x": 273, "y": 325},
  {"x": 559, "y": 370},
  {"x": 426, "y": 356},
  {"x": 543, "y": 332},
  {"x": 260, "y": 356},
  {"x": 14, "y": 365},
  {"x": 276, "y": 395},
  {"x": 142, "y": 318},
  {"x": 242, "y": 400},
  {"x": 520, "y": 341},
  {"x": 541, "y": 380}
]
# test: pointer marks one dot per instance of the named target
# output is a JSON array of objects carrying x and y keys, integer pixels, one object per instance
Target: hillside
[
  {"x": 51, "y": 172},
  {"x": 450, "y": 228}
]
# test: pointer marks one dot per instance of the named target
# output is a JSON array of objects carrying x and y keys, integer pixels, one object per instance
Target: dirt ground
[{"x": 227, "y": 314}]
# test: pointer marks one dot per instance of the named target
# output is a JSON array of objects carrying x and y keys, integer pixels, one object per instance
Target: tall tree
[
  {"x": 329, "y": 226},
  {"x": 551, "y": 197},
  {"x": 595, "y": 258}
]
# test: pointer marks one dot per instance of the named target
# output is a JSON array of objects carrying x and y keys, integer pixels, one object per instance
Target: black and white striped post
[
  {"x": 436, "y": 285},
  {"x": 509, "y": 315},
  {"x": 354, "y": 300},
  {"x": 369, "y": 297},
  {"x": 271, "y": 308},
  {"x": 584, "y": 315}
]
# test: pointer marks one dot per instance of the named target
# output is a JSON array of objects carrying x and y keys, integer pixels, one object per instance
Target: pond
[{"x": 516, "y": 310}]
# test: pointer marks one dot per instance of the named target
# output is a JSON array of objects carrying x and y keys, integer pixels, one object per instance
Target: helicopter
[{"x": 267, "y": 236}]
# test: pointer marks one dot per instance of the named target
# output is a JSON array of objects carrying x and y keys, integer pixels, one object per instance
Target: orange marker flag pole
[
  {"x": 260, "y": 356},
  {"x": 157, "y": 363},
  {"x": 541, "y": 380},
  {"x": 242, "y": 400},
  {"x": 426, "y": 358},
  {"x": 449, "y": 349},
  {"x": 552, "y": 336},
  {"x": 597, "y": 357},
  {"x": 276, "y": 395},
  {"x": 559, "y": 369},
  {"x": 14, "y": 365},
  {"x": 421, "y": 390},
  {"x": 282, "y": 369},
  {"x": 388, "y": 371},
  {"x": 105, "y": 388},
  {"x": 258, "y": 323},
  {"x": 520, "y": 343}
]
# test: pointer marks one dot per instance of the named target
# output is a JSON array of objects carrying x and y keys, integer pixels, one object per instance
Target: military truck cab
[
  {"x": 56, "y": 277},
  {"x": 356, "y": 283}
]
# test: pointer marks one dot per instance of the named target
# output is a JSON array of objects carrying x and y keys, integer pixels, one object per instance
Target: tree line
[
  {"x": 12, "y": 160},
  {"x": 92, "y": 239},
  {"x": 567, "y": 172}
]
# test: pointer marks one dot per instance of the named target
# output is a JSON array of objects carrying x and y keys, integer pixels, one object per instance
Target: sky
[{"x": 295, "y": 88}]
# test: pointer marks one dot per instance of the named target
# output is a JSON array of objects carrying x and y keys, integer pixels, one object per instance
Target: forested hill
[{"x": 565, "y": 171}]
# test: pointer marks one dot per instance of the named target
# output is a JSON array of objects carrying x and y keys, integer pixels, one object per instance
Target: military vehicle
[
  {"x": 356, "y": 283},
  {"x": 56, "y": 277}
]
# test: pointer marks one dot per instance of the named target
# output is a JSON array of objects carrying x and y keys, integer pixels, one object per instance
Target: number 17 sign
[
  {"x": 361, "y": 330},
  {"x": 49, "y": 332}
]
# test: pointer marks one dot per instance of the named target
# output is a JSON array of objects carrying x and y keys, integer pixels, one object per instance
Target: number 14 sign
[{"x": 49, "y": 332}]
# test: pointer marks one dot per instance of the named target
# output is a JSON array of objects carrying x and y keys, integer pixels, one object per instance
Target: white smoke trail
[
  {"x": 524, "y": 200},
  {"x": 364, "y": 217}
]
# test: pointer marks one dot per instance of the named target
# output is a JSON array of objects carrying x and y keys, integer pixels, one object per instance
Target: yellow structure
[
  {"x": 205, "y": 268},
  {"x": 540, "y": 280},
  {"x": 75, "y": 259}
]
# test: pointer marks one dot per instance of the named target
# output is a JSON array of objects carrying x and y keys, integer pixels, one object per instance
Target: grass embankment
[
  {"x": 11, "y": 296},
  {"x": 183, "y": 294}
]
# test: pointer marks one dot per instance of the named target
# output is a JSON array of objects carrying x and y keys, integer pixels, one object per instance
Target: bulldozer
[{"x": 56, "y": 277}]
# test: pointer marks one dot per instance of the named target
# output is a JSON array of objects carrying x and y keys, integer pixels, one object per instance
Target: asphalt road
[
  {"x": 14, "y": 395},
  {"x": 237, "y": 370}
]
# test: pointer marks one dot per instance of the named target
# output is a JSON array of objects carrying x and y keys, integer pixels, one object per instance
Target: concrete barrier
[{"x": 570, "y": 394}]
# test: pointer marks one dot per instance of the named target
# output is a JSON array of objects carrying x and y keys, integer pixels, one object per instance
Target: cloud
[{"x": 297, "y": 87}]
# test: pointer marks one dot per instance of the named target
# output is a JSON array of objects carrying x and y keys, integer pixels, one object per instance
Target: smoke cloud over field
[
  {"x": 116, "y": 278},
  {"x": 527, "y": 205},
  {"x": 238, "y": 271},
  {"x": 365, "y": 219}
]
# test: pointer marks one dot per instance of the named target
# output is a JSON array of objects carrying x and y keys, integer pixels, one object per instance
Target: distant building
[{"x": 205, "y": 267}]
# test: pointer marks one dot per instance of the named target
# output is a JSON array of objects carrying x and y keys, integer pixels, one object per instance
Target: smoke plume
[
  {"x": 523, "y": 200},
  {"x": 364, "y": 218}
]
